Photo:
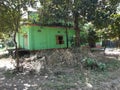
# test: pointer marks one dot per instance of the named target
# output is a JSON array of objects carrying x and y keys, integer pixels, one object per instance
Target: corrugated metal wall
[{"x": 43, "y": 37}]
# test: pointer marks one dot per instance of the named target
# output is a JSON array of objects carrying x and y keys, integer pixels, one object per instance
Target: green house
[{"x": 35, "y": 37}]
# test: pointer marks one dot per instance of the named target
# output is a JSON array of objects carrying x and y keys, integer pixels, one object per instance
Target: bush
[
  {"x": 93, "y": 64},
  {"x": 102, "y": 66}
]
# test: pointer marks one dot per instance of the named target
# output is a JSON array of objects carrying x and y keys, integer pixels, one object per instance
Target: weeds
[{"x": 93, "y": 64}]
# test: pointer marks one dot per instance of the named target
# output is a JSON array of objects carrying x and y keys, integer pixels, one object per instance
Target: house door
[{"x": 25, "y": 41}]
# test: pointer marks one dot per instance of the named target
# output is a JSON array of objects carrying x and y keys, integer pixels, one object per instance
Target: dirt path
[
  {"x": 21, "y": 81},
  {"x": 35, "y": 82}
]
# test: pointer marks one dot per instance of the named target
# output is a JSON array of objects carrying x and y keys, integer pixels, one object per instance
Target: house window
[{"x": 59, "y": 39}]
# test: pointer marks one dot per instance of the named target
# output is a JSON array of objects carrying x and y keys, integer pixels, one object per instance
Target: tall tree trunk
[
  {"x": 77, "y": 30},
  {"x": 66, "y": 31},
  {"x": 66, "y": 36},
  {"x": 16, "y": 52}
]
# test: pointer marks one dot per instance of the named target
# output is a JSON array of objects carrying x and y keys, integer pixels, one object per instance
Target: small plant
[
  {"x": 93, "y": 64},
  {"x": 102, "y": 66},
  {"x": 89, "y": 63}
]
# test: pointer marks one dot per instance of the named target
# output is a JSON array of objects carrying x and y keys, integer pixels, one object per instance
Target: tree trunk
[
  {"x": 16, "y": 52},
  {"x": 66, "y": 31},
  {"x": 66, "y": 36},
  {"x": 77, "y": 30}
]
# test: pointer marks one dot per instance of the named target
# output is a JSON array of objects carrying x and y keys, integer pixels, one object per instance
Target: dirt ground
[{"x": 63, "y": 72}]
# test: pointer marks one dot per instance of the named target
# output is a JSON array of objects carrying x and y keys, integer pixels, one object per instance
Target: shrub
[
  {"x": 101, "y": 66},
  {"x": 93, "y": 64}
]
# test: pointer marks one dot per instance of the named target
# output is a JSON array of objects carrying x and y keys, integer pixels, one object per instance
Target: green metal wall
[
  {"x": 21, "y": 39},
  {"x": 43, "y": 37}
]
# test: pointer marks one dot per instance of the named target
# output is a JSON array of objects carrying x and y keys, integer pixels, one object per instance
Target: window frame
[{"x": 58, "y": 41}]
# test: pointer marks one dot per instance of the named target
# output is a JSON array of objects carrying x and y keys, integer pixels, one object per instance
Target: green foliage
[
  {"x": 103, "y": 20},
  {"x": 33, "y": 16},
  {"x": 115, "y": 26},
  {"x": 114, "y": 2},
  {"x": 102, "y": 14},
  {"x": 101, "y": 66},
  {"x": 11, "y": 13},
  {"x": 90, "y": 62},
  {"x": 10, "y": 17},
  {"x": 92, "y": 38},
  {"x": 83, "y": 37},
  {"x": 93, "y": 64},
  {"x": 54, "y": 12},
  {"x": 112, "y": 31}
]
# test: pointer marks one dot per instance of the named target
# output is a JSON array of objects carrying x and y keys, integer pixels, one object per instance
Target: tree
[
  {"x": 53, "y": 12},
  {"x": 5, "y": 25},
  {"x": 73, "y": 11},
  {"x": 92, "y": 38},
  {"x": 10, "y": 16},
  {"x": 103, "y": 20},
  {"x": 97, "y": 12},
  {"x": 115, "y": 26}
]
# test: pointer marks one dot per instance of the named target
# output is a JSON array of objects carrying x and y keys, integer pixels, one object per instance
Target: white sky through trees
[{"x": 30, "y": 8}]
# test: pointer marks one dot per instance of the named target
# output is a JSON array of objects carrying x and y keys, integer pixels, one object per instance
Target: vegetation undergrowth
[{"x": 93, "y": 64}]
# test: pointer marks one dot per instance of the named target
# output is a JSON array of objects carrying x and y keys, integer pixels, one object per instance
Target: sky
[{"x": 25, "y": 14}]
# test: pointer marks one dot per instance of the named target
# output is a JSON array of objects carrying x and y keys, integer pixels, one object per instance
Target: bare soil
[{"x": 63, "y": 71}]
